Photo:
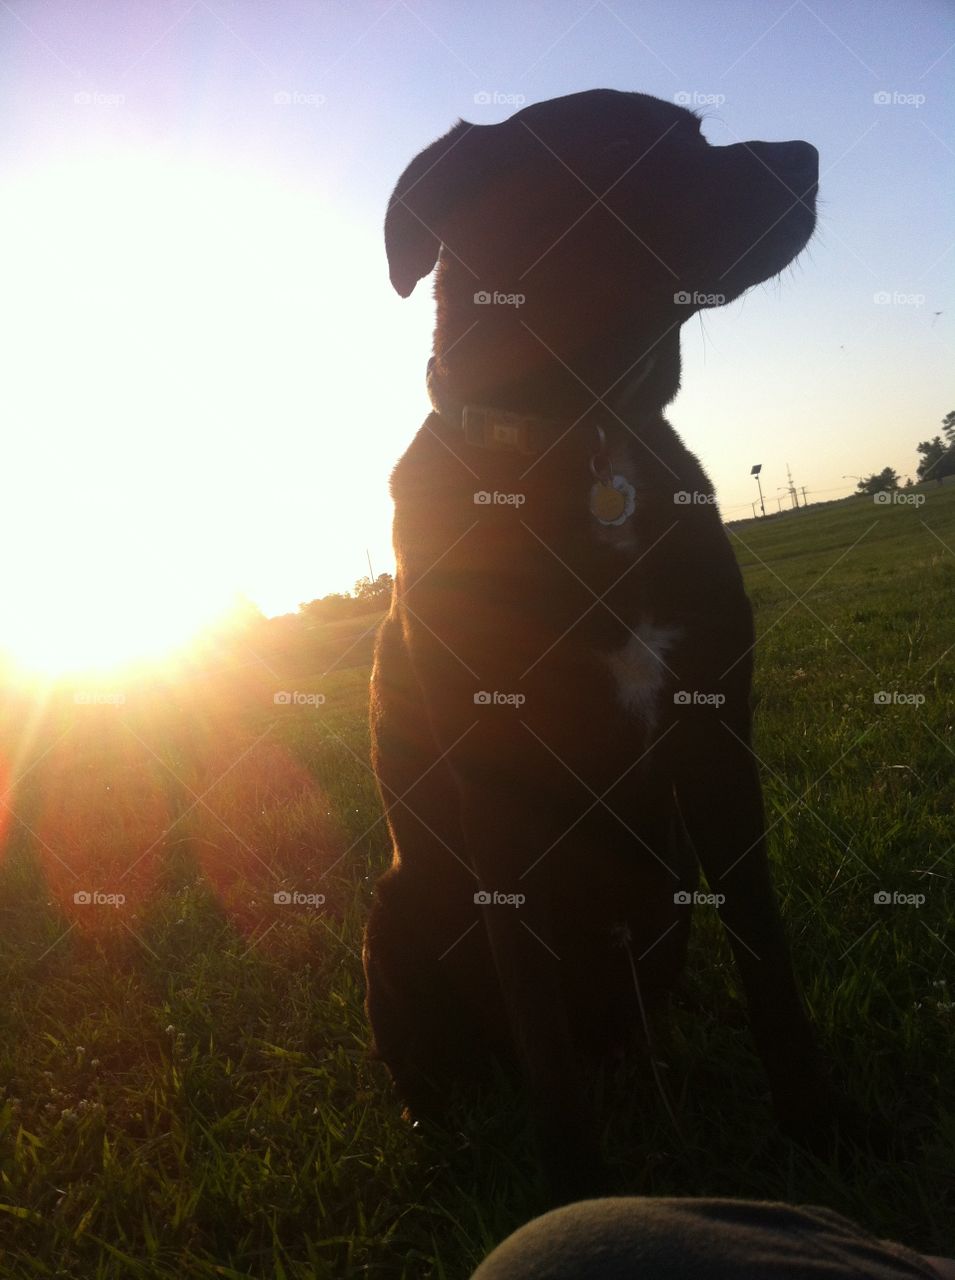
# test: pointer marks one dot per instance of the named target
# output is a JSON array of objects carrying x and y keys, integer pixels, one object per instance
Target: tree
[
  {"x": 337, "y": 605},
  {"x": 377, "y": 592},
  {"x": 938, "y": 459},
  {"x": 885, "y": 481},
  {"x": 948, "y": 426}
]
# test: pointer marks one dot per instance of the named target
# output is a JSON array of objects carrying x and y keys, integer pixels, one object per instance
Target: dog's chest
[
  {"x": 622, "y": 535},
  {"x": 533, "y": 551},
  {"x": 641, "y": 668}
]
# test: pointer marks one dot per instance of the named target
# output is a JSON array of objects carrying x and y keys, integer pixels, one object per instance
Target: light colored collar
[{"x": 512, "y": 431}]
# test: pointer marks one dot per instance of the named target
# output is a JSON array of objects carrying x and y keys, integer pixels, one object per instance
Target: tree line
[
  {"x": 938, "y": 461},
  {"x": 368, "y": 594}
]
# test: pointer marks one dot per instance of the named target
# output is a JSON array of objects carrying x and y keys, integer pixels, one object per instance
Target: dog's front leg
[
  {"x": 720, "y": 799},
  {"x": 504, "y": 833}
]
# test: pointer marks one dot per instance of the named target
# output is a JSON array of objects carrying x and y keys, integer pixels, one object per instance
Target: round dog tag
[{"x": 613, "y": 502}]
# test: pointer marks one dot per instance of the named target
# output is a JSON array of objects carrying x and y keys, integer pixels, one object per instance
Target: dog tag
[{"x": 613, "y": 502}]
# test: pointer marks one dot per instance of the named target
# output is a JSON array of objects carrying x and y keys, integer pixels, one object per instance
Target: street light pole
[{"x": 755, "y": 472}]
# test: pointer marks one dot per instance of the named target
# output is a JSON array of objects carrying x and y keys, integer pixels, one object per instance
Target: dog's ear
[{"x": 433, "y": 184}]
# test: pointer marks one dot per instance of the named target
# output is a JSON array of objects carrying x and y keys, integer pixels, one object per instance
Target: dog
[{"x": 560, "y": 696}]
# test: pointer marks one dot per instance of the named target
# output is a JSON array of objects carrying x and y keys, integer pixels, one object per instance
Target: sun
[
  {"x": 133, "y": 429},
  {"x": 104, "y": 619},
  {"x": 186, "y": 337}
]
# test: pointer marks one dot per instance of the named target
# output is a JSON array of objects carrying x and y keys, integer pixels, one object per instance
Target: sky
[{"x": 206, "y": 376}]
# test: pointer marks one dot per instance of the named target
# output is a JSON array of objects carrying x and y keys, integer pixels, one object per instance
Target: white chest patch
[{"x": 640, "y": 668}]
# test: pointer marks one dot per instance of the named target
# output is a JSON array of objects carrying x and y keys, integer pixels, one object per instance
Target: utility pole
[
  {"x": 371, "y": 576},
  {"x": 805, "y": 500},
  {"x": 794, "y": 496},
  {"x": 755, "y": 472}
]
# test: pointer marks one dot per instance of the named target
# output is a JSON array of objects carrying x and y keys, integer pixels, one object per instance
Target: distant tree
[
  {"x": 948, "y": 426},
  {"x": 374, "y": 592},
  {"x": 938, "y": 460},
  {"x": 245, "y": 613},
  {"x": 885, "y": 481},
  {"x": 368, "y": 595},
  {"x": 337, "y": 605}
]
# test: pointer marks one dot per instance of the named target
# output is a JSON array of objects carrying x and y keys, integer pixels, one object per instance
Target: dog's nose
[{"x": 794, "y": 163}]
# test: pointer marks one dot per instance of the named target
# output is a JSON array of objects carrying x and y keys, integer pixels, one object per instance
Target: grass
[{"x": 184, "y": 1081}]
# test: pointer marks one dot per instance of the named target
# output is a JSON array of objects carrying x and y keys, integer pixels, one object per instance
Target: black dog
[{"x": 560, "y": 698}]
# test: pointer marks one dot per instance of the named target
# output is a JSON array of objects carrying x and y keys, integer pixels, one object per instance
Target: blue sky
[{"x": 208, "y": 375}]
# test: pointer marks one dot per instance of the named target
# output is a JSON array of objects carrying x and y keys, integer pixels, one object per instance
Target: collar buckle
[{"x": 501, "y": 429}]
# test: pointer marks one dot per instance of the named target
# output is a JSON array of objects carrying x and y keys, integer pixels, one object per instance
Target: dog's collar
[
  {"x": 490, "y": 427},
  {"x": 487, "y": 427},
  {"x": 513, "y": 431}
]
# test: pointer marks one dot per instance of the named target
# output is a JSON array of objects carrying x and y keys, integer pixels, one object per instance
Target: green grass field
[{"x": 184, "y": 1081}]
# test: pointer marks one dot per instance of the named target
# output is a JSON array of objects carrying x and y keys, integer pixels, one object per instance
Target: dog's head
[{"x": 598, "y": 214}]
